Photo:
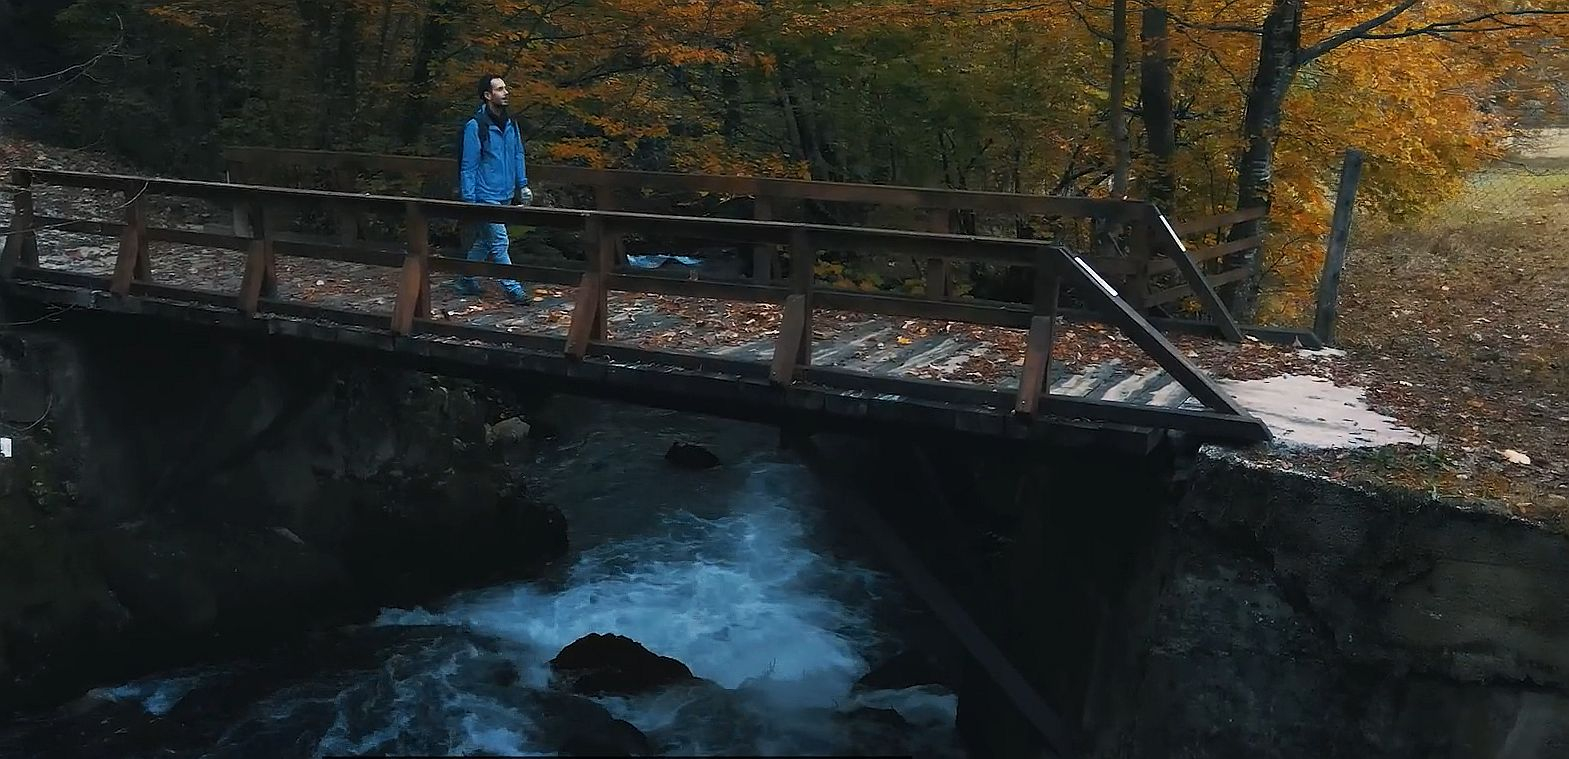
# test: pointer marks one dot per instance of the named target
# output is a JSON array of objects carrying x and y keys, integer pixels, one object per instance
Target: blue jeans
[{"x": 490, "y": 244}]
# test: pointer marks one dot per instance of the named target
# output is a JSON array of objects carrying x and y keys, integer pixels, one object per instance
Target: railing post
[
  {"x": 605, "y": 200},
  {"x": 131, "y": 263},
  {"x": 793, "y": 347},
  {"x": 346, "y": 219},
  {"x": 259, "y": 265},
  {"x": 589, "y": 320},
  {"x": 240, "y": 209},
  {"x": 763, "y": 255},
  {"x": 937, "y": 220},
  {"x": 1043, "y": 325},
  {"x": 414, "y": 287},
  {"x": 21, "y": 240},
  {"x": 1140, "y": 250}
]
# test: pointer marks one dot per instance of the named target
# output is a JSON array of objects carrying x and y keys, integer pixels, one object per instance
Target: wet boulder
[
  {"x": 690, "y": 456},
  {"x": 508, "y": 432},
  {"x": 576, "y": 726},
  {"x": 909, "y": 669},
  {"x": 598, "y": 664}
]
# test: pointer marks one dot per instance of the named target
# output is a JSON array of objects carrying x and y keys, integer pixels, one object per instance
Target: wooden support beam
[
  {"x": 793, "y": 347},
  {"x": 414, "y": 286},
  {"x": 947, "y": 609},
  {"x": 345, "y": 219},
  {"x": 590, "y": 302},
  {"x": 1137, "y": 285},
  {"x": 1177, "y": 253},
  {"x": 763, "y": 254},
  {"x": 133, "y": 247},
  {"x": 1154, "y": 344},
  {"x": 1210, "y": 253},
  {"x": 21, "y": 239},
  {"x": 1216, "y": 222},
  {"x": 258, "y": 260},
  {"x": 605, "y": 200},
  {"x": 609, "y": 251},
  {"x": 937, "y": 220},
  {"x": 1037, "y": 356},
  {"x": 239, "y": 173}
]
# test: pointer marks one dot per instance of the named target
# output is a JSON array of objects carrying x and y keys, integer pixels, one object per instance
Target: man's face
[{"x": 496, "y": 96}]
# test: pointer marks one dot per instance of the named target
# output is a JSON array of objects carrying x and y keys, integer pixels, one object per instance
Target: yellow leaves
[
  {"x": 180, "y": 17},
  {"x": 584, "y": 151}
]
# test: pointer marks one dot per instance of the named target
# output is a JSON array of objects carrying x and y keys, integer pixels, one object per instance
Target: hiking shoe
[
  {"x": 518, "y": 297},
  {"x": 467, "y": 288}
]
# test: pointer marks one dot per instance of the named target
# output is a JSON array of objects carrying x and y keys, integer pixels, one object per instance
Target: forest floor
[{"x": 1458, "y": 326}]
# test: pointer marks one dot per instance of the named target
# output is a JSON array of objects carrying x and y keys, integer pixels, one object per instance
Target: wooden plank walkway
[
  {"x": 968, "y": 372},
  {"x": 916, "y": 348}
]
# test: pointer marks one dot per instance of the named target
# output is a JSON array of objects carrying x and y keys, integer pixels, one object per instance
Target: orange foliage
[{"x": 998, "y": 95}]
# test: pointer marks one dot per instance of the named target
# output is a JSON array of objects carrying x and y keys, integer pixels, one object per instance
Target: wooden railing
[
  {"x": 799, "y": 294},
  {"x": 1148, "y": 250}
]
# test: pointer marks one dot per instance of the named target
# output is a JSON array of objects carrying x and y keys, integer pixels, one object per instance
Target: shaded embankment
[{"x": 170, "y": 498}]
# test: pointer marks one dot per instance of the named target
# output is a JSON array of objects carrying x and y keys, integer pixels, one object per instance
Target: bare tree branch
[
  {"x": 77, "y": 71},
  {"x": 1501, "y": 21}
]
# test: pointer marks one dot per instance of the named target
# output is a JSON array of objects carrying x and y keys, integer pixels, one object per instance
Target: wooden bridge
[{"x": 775, "y": 344}]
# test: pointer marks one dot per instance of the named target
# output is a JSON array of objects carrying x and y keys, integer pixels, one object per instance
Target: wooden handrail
[
  {"x": 1002, "y": 250},
  {"x": 1132, "y": 271},
  {"x": 1054, "y": 264},
  {"x": 793, "y": 189},
  {"x": 1209, "y": 223},
  {"x": 1177, "y": 254}
]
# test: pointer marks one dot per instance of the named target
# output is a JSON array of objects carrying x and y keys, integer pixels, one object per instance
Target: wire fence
[{"x": 1533, "y": 178}]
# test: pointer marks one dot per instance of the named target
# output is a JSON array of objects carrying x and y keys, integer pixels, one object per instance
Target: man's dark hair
[{"x": 484, "y": 84}]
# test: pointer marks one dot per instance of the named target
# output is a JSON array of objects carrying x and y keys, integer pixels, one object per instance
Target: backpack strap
[{"x": 483, "y": 128}]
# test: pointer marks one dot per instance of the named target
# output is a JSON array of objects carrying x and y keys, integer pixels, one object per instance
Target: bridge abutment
[
  {"x": 169, "y": 498},
  {"x": 1234, "y": 609}
]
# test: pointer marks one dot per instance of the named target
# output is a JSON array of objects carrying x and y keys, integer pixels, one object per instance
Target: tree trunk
[
  {"x": 1122, "y": 148},
  {"x": 433, "y": 38},
  {"x": 381, "y": 42},
  {"x": 1277, "y": 69},
  {"x": 1160, "y": 126},
  {"x": 346, "y": 69}
]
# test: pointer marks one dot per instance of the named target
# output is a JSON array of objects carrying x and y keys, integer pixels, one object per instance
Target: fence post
[{"x": 1335, "y": 256}]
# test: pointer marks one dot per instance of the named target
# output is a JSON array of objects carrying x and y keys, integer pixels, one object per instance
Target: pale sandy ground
[
  {"x": 1313, "y": 412},
  {"x": 1545, "y": 143}
]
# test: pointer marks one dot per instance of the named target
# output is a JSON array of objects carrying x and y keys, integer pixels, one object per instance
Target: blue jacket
[{"x": 497, "y": 175}]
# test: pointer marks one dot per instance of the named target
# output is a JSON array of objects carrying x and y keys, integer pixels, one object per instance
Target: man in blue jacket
[{"x": 492, "y": 170}]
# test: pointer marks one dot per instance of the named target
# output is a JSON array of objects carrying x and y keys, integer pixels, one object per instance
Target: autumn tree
[{"x": 1200, "y": 104}]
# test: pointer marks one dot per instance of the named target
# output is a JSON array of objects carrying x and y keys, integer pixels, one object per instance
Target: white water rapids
[{"x": 739, "y": 572}]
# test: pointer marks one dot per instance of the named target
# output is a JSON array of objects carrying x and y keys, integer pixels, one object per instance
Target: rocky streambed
[{"x": 250, "y": 549}]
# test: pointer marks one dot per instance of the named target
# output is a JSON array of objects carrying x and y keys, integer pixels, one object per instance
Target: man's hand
[{"x": 525, "y": 197}]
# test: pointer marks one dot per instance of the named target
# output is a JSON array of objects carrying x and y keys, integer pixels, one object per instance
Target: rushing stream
[{"x": 741, "y": 572}]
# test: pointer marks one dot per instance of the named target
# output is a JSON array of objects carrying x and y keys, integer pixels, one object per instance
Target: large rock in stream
[
  {"x": 171, "y": 498},
  {"x": 598, "y": 665}
]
